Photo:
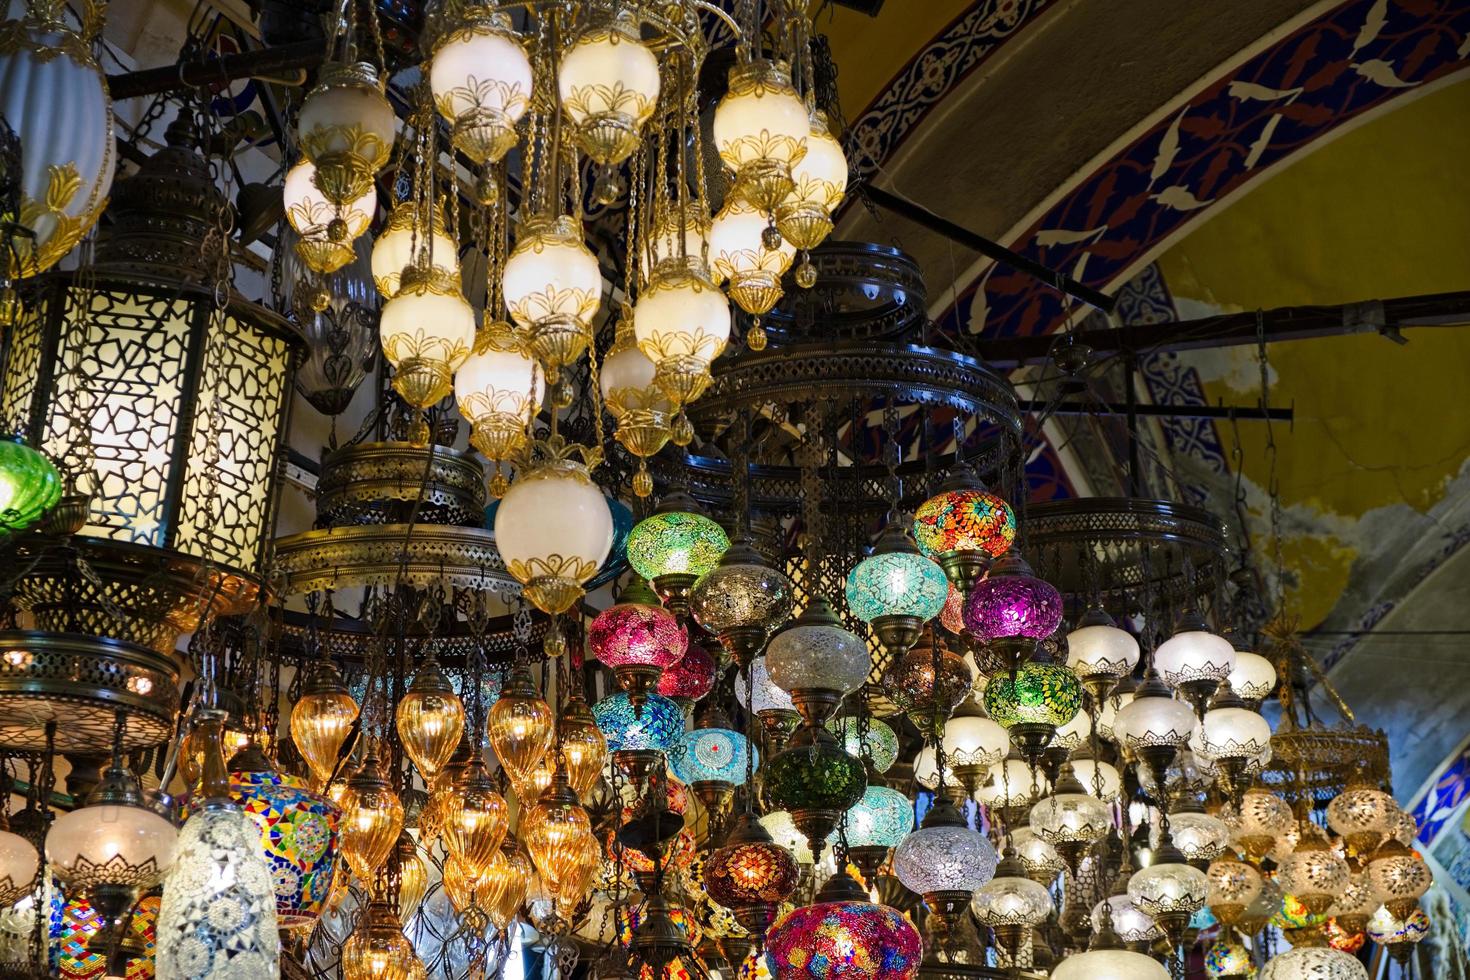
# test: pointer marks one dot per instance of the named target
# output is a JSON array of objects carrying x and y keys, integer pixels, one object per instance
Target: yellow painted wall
[
  {"x": 869, "y": 51},
  {"x": 1383, "y": 211}
]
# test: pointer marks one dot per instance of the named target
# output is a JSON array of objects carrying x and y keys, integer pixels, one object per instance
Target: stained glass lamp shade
[
  {"x": 896, "y": 580},
  {"x": 1039, "y": 694},
  {"x": 298, "y": 837},
  {"x": 640, "y": 634},
  {"x": 741, "y": 593},
  {"x": 965, "y": 520},
  {"x": 692, "y": 677},
  {"x": 676, "y": 543},
  {"x": 74, "y": 925},
  {"x": 816, "y": 653},
  {"x": 659, "y": 726},
  {"x": 765, "y": 694},
  {"x": 1011, "y": 602},
  {"x": 882, "y": 818},
  {"x": 952, "y": 616},
  {"x": 1385, "y": 928},
  {"x": 750, "y": 869},
  {"x": 880, "y": 744},
  {"x": 816, "y": 775},
  {"x": 30, "y": 485},
  {"x": 1399, "y": 876},
  {"x": 843, "y": 941},
  {"x": 716, "y": 755},
  {"x": 782, "y": 828},
  {"x": 1228, "y": 960}
]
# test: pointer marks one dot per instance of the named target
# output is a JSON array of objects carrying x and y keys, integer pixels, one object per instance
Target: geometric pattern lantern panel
[{"x": 162, "y": 379}]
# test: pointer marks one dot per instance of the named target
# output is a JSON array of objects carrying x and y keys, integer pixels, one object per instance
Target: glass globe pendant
[
  {"x": 964, "y": 527},
  {"x": 30, "y": 485},
  {"x": 771, "y": 705},
  {"x": 477, "y": 819},
  {"x": 1154, "y": 726},
  {"x": 1200, "y": 837},
  {"x": 19, "y": 863},
  {"x": 321, "y": 720},
  {"x": 638, "y": 639},
  {"x": 896, "y": 590},
  {"x": 1314, "y": 872},
  {"x": 481, "y": 81},
  {"x": 1194, "y": 660},
  {"x": 608, "y": 82},
  {"x": 817, "y": 662},
  {"x": 558, "y": 834},
  {"x": 1262, "y": 818},
  {"x": 553, "y": 288},
  {"x": 674, "y": 547},
  {"x": 218, "y": 915},
  {"x": 554, "y": 530},
  {"x": 639, "y": 740},
  {"x": 1032, "y": 703},
  {"x": 1011, "y": 903},
  {"x": 1399, "y": 877},
  {"x": 1105, "y": 958},
  {"x": 816, "y": 781},
  {"x": 346, "y": 129},
  {"x": 973, "y": 744},
  {"x": 1232, "y": 736},
  {"x": 751, "y": 875},
  {"x": 1234, "y": 885},
  {"x": 1100, "y": 653},
  {"x": 690, "y": 679},
  {"x": 1361, "y": 815},
  {"x": 1169, "y": 890},
  {"x": 108, "y": 852},
  {"x": 521, "y": 726},
  {"x": 741, "y": 600},
  {"x": 498, "y": 390},
  {"x": 413, "y": 878},
  {"x": 403, "y": 233},
  {"x": 760, "y": 130},
  {"x": 682, "y": 323},
  {"x": 1313, "y": 963},
  {"x": 878, "y": 747},
  {"x": 877, "y": 822},
  {"x": 945, "y": 861},
  {"x": 640, "y": 409},
  {"x": 583, "y": 746},
  {"x": 377, "y": 948},
  {"x": 427, "y": 331},
  {"x": 1253, "y": 677},
  {"x": 430, "y": 720},
  {"x": 1010, "y": 609},
  {"x": 327, "y": 230},
  {"x": 1070, "y": 819},
  {"x": 928, "y": 687},
  {"x": 843, "y": 934},
  {"x": 804, "y": 218},
  {"x": 743, "y": 258},
  {"x": 372, "y": 819}
]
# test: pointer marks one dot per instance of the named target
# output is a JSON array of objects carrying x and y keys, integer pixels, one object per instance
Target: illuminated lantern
[
  {"x": 430, "y": 720},
  {"x": 963, "y": 527},
  {"x": 553, "y": 288},
  {"x": 393, "y": 249},
  {"x": 638, "y": 639},
  {"x": 760, "y": 130},
  {"x": 608, "y": 82},
  {"x": 346, "y": 128},
  {"x": 326, "y": 229},
  {"x": 481, "y": 80}
]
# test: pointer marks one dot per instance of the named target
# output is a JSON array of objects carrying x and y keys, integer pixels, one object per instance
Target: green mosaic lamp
[
  {"x": 674, "y": 546},
  {"x": 1033, "y": 702},
  {"x": 30, "y": 485}
]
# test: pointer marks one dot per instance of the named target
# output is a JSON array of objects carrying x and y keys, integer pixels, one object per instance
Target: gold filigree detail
[
  {"x": 62, "y": 184},
  {"x": 45, "y": 32},
  {"x": 347, "y": 157}
]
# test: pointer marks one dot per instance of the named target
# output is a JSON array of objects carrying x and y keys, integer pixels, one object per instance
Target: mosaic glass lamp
[
  {"x": 30, "y": 485},
  {"x": 218, "y": 917},
  {"x": 1228, "y": 960},
  {"x": 1399, "y": 876},
  {"x": 638, "y": 639},
  {"x": 298, "y": 833},
  {"x": 964, "y": 527},
  {"x": 741, "y": 600},
  {"x": 817, "y": 661},
  {"x": 896, "y": 590},
  {"x": 912, "y": 684},
  {"x": 816, "y": 781},
  {"x": 1313, "y": 963},
  {"x": 75, "y": 926},
  {"x": 1361, "y": 815},
  {"x": 1033, "y": 703},
  {"x": 879, "y": 745},
  {"x": 1314, "y": 872},
  {"x": 674, "y": 546},
  {"x": 945, "y": 861},
  {"x": 770, "y": 704},
  {"x": 691, "y": 678},
  {"x": 712, "y": 755},
  {"x": 1010, "y": 609},
  {"x": 658, "y": 727},
  {"x": 1169, "y": 890},
  {"x": 750, "y": 874},
  {"x": 849, "y": 939}
]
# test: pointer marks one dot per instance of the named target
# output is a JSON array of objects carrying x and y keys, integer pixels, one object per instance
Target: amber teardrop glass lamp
[
  {"x": 373, "y": 820},
  {"x": 557, "y": 834},
  {"x": 377, "y": 948},
  {"x": 477, "y": 818},
  {"x": 521, "y": 725},
  {"x": 430, "y": 720},
  {"x": 321, "y": 720},
  {"x": 507, "y": 880},
  {"x": 583, "y": 746},
  {"x": 413, "y": 878}
]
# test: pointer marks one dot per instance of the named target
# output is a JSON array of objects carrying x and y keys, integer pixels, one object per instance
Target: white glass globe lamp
[
  {"x": 760, "y": 131},
  {"x": 427, "y": 331},
  {"x": 405, "y": 230},
  {"x": 554, "y": 530},
  {"x": 481, "y": 81},
  {"x": 608, "y": 82},
  {"x": 553, "y": 288},
  {"x": 326, "y": 230},
  {"x": 346, "y": 128}
]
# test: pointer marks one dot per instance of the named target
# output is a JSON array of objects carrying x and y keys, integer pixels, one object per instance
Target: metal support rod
[
  {"x": 1233, "y": 329},
  {"x": 172, "y": 78},
  {"x": 1130, "y": 393},
  {"x": 921, "y": 215},
  {"x": 1253, "y": 413}
]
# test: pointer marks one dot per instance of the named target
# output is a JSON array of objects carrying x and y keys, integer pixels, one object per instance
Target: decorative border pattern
[
  {"x": 931, "y": 75},
  {"x": 1442, "y": 797},
  {"x": 1355, "y": 58}
]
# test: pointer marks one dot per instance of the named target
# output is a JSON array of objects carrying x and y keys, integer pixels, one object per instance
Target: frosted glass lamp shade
[
  {"x": 393, "y": 249},
  {"x": 18, "y": 864},
  {"x": 554, "y": 522},
  {"x": 681, "y": 314},
  {"x": 1166, "y": 889},
  {"x": 1132, "y": 924},
  {"x": 767, "y": 696},
  {"x": 1234, "y": 733},
  {"x": 111, "y": 844},
  {"x": 1194, "y": 655},
  {"x": 1153, "y": 721},
  {"x": 1109, "y": 964},
  {"x": 608, "y": 82},
  {"x": 1253, "y": 677},
  {"x": 551, "y": 276},
  {"x": 1313, "y": 963},
  {"x": 972, "y": 740},
  {"x": 481, "y": 81},
  {"x": 1101, "y": 651},
  {"x": 944, "y": 859}
]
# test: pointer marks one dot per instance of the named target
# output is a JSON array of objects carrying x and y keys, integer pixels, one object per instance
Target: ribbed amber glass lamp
[
  {"x": 321, "y": 719},
  {"x": 521, "y": 725},
  {"x": 377, "y": 948},
  {"x": 477, "y": 818},
  {"x": 557, "y": 834},
  {"x": 583, "y": 747},
  {"x": 372, "y": 821},
  {"x": 430, "y": 720}
]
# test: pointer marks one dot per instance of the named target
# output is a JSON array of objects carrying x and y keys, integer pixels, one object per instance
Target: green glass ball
[
  {"x": 819, "y": 776},
  {"x": 30, "y": 485},
  {"x": 676, "y": 543},
  {"x": 1040, "y": 694}
]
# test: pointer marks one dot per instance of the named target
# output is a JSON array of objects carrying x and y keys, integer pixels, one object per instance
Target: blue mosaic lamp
[
  {"x": 896, "y": 590},
  {"x": 657, "y": 729},
  {"x": 712, "y": 755}
]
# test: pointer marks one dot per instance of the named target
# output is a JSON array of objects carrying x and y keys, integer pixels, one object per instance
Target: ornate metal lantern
[{"x": 177, "y": 403}]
